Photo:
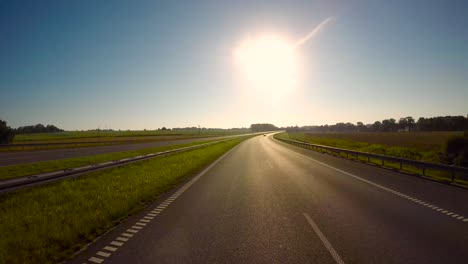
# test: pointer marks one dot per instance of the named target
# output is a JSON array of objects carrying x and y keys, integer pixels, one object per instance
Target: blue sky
[{"x": 148, "y": 64}]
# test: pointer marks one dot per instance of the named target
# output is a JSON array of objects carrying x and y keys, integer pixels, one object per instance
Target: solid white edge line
[
  {"x": 364, "y": 180},
  {"x": 160, "y": 207},
  {"x": 325, "y": 241}
]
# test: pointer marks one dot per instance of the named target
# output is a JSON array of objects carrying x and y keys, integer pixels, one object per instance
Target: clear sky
[{"x": 147, "y": 64}]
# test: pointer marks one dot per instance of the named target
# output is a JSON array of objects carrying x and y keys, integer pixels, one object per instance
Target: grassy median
[
  {"x": 47, "y": 224},
  {"x": 55, "y": 165}
]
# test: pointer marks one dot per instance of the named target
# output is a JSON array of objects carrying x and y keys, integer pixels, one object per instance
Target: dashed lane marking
[
  {"x": 115, "y": 243},
  {"x": 103, "y": 254},
  {"x": 325, "y": 241},
  {"x": 96, "y": 260},
  {"x": 108, "y": 248}
]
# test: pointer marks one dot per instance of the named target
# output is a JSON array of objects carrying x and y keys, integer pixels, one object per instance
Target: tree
[
  {"x": 262, "y": 127},
  {"x": 389, "y": 125},
  {"x": 377, "y": 126},
  {"x": 410, "y": 121},
  {"x": 39, "y": 128},
  {"x": 456, "y": 151},
  {"x": 361, "y": 127},
  {"x": 6, "y": 133},
  {"x": 402, "y": 123}
]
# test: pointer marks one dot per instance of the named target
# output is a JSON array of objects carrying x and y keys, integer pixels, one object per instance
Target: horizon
[
  {"x": 242, "y": 127},
  {"x": 121, "y": 65}
]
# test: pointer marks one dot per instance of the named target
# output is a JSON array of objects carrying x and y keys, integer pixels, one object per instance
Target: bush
[
  {"x": 456, "y": 151},
  {"x": 6, "y": 133}
]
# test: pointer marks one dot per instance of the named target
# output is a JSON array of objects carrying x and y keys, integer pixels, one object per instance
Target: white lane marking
[
  {"x": 325, "y": 241},
  {"x": 103, "y": 254},
  {"x": 374, "y": 184},
  {"x": 148, "y": 217},
  {"x": 271, "y": 166},
  {"x": 140, "y": 224},
  {"x": 137, "y": 227},
  {"x": 150, "y": 214},
  {"x": 108, "y": 248},
  {"x": 132, "y": 231},
  {"x": 126, "y": 235},
  {"x": 122, "y": 239},
  {"x": 115, "y": 243},
  {"x": 144, "y": 220},
  {"x": 96, "y": 260}
]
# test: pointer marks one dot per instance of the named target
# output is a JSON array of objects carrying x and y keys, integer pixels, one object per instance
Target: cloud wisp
[{"x": 313, "y": 33}]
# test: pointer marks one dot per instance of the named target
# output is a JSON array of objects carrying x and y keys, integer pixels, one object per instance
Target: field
[
  {"x": 424, "y": 146},
  {"x": 39, "y": 225},
  {"x": 79, "y": 139},
  {"x": 117, "y": 135}
]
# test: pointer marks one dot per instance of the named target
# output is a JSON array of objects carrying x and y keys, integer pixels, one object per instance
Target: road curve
[
  {"x": 268, "y": 202},
  {"x": 23, "y": 157}
]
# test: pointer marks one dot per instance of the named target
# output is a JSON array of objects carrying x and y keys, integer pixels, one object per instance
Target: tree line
[
  {"x": 7, "y": 134},
  {"x": 440, "y": 123},
  {"x": 39, "y": 128},
  {"x": 262, "y": 127}
]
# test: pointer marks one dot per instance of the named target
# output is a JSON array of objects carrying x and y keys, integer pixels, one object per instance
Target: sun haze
[{"x": 267, "y": 63}]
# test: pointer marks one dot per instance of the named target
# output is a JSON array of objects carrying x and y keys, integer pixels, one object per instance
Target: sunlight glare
[{"x": 268, "y": 64}]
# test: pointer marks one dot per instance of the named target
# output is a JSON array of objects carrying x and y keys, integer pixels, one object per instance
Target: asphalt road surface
[
  {"x": 268, "y": 202},
  {"x": 22, "y": 157}
]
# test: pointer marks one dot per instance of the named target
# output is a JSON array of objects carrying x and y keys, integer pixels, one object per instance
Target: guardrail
[
  {"x": 453, "y": 170},
  {"x": 12, "y": 184}
]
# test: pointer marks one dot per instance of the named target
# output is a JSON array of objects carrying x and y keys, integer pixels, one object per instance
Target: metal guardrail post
[{"x": 452, "y": 170}]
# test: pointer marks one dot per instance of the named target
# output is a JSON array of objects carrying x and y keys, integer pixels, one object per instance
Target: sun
[{"x": 267, "y": 63}]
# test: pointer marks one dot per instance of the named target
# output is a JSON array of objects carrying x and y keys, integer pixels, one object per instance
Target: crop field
[
  {"x": 414, "y": 145},
  {"x": 117, "y": 135},
  {"x": 39, "y": 225}
]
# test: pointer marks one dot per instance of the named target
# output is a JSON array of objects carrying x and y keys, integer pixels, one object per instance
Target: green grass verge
[
  {"x": 47, "y": 224},
  {"x": 54, "y": 165},
  {"x": 379, "y": 149},
  {"x": 384, "y": 147}
]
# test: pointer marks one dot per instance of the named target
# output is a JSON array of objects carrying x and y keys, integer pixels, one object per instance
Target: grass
[
  {"x": 424, "y": 146},
  {"x": 14, "y": 171},
  {"x": 47, "y": 224},
  {"x": 116, "y": 135}
]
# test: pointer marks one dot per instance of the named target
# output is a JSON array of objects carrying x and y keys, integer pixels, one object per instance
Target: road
[
  {"x": 268, "y": 202},
  {"x": 23, "y": 157}
]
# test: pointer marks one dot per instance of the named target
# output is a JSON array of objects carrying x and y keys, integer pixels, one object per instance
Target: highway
[
  {"x": 269, "y": 202},
  {"x": 23, "y": 157}
]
